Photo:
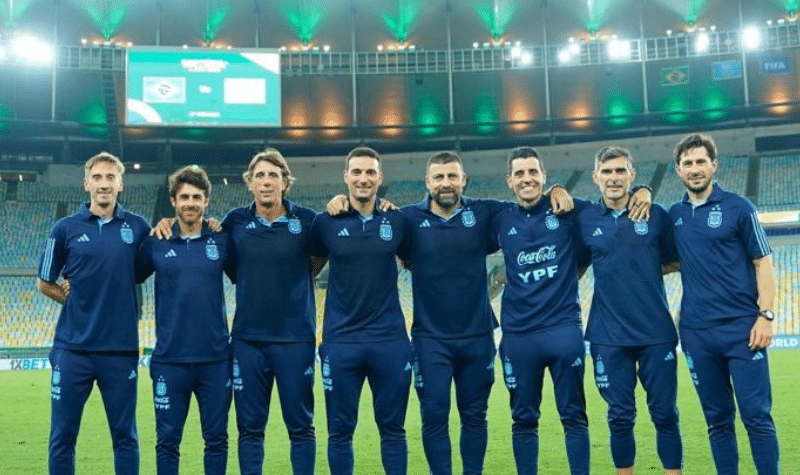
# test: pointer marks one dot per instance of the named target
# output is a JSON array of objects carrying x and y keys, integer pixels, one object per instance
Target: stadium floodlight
[
  {"x": 574, "y": 48},
  {"x": 526, "y": 59},
  {"x": 326, "y": 48},
  {"x": 564, "y": 56},
  {"x": 31, "y": 50},
  {"x": 702, "y": 43},
  {"x": 751, "y": 39},
  {"x": 475, "y": 45},
  {"x": 516, "y": 52},
  {"x": 619, "y": 49}
]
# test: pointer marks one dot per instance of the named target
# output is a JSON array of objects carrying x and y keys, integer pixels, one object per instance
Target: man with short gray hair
[{"x": 630, "y": 328}]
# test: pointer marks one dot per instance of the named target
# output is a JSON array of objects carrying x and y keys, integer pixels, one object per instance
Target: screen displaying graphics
[{"x": 202, "y": 87}]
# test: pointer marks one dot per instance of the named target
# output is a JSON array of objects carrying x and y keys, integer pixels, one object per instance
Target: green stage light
[
  {"x": 674, "y": 105},
  {"x": 716, "y": 100},
  {"x": 214, "y": 18},
  {"x": 597, "y": 12},
  {"x": 429, "y": 114},
  {"x": 5, "y": 113},
  {"x": 12, "y": 10},
  {"x": 106, "y": 15},
  {"x": 618, "y": 109},
  {"x": 304, "y": 17},
  {"x": 402, "y": 25},
  {"x": 93, "y": 116},
  {"x": 194, "y": 133},
  {"x": 486, "y": 114},
  {"x": 694, "y": 9},
  {"x": 496, "y": 16},
  {"x": 791, "y": 6}
]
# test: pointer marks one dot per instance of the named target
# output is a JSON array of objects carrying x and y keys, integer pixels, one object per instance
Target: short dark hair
[
  {"x": 190, "y": 175},
  {"x": 609, "y": 153},
  {"x": 361, "y": 151},
  {"x": 444, "y": 157},
  {"x": 273, "y": 156},
  {"x": 695, "y": 141},
  {"x": 523, "y": 152}
]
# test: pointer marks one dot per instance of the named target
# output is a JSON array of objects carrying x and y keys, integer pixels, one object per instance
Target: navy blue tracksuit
[
  {"x": 274, "y": 331},
  {"x": 453, "y": 325},
  {"x": 363, "y": 333},
  {"x": 542, "y": 328},
  {"x": 192, "y": 353},
  {"x": 717, "y": 242},
  {"x": 96, "y": 336},
  {"x": 630, "y": 328}
]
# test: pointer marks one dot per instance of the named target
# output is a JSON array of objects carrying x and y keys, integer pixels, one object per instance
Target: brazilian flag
[{"x": 675, "y": 76}]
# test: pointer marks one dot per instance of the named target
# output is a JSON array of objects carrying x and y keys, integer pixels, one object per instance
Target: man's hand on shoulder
[
  {"x": 163, "y": 229},
  {"x": 339, "y": 204},
  {"x": 560, "y": 199},
  {"x": 386, "y": 205},
  {"x": 214, "y": 224},
  {"x": 639, "y": 204}
]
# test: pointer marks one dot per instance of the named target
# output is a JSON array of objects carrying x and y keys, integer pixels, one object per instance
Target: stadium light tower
[
  {"x": 29, "y": 49},
  {"x": 751, "y": 38},
  {"x": 619, "y": 50},
  {"x": 702, "y": 43}
]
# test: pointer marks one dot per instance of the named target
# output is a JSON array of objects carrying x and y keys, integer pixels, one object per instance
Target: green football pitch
[{"x": 24, "y": 425}]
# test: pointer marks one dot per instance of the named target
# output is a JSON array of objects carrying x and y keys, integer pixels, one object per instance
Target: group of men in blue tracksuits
[{"x": 273, "y": 249}]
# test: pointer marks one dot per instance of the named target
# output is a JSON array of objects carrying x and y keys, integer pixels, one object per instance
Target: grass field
[{"x": 25, "y": 408}]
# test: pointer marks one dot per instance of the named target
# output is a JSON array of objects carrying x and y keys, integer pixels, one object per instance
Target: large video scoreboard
[{"x": 203, "y": 87}]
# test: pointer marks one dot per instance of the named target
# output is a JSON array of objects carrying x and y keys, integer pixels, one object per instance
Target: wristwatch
[{"x": 769, "y": 315}]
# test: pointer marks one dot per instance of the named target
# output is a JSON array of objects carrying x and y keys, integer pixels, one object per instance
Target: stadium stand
[
  {"x": 23, "y": 229},
  {"x": 787, "y": 277},
  {"x": 779, "y": 183},
  {"x": 139, "y": 199},
  {"x": 35, "y": 192},
  {"x": 28, "y": 318},
  {"x": 226, "y": 197},
  {"x": 405, "y": 192}
]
